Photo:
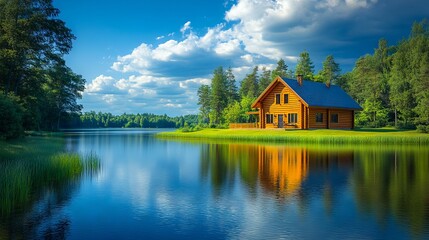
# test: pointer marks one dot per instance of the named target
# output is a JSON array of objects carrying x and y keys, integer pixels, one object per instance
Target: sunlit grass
[{"x": 319, "y": 136}]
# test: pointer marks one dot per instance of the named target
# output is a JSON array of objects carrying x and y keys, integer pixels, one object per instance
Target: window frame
[
  {"x": 269, "y": 118},
  {"x": 319, "y": 117},
  {"x": 285, "y": 98},
  {"x": 292, "y": 118},
  {"x": 334, "y": 119},
  {"x": 277, "y": 99}
]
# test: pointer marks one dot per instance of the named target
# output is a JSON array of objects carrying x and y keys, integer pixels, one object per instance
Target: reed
[
  {"x": 22, "y": 174},
  {"x": 322, "y": 136}
]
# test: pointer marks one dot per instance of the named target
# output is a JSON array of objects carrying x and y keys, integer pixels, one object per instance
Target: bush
[
  {"x": 423, "y": 128},
  {"x": 405, "y": 125},
  {"x": 10, "y": 117}
]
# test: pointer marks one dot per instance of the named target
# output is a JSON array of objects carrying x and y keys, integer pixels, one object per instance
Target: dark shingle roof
[{"x": 317, "y": 94}]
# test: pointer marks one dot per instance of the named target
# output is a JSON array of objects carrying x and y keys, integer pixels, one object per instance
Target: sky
[{"x": 151, "y": 56}]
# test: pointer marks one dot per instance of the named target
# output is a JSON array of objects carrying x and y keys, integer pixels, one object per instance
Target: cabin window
[
  {"x": 286, "y": 98},
  {"x": 277, "y": 98},
  {"x": 334, "y": 118},
  {"x": 270, "y": 118},
  {"x": 292, "y": 117},
  {"x": 319, "y": 117}
]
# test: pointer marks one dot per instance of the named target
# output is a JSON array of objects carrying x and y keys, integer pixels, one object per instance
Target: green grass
[
  {"x": 31, "y": 165},
  {"x": 319, "y": 136}
]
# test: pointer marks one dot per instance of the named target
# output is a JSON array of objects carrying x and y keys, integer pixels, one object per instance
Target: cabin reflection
[{"x": 281, "y": 171}]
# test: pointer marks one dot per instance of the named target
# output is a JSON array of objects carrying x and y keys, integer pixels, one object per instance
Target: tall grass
[
  {"x": 306, "y": 136},
  {"x": 23, "y": 173}
]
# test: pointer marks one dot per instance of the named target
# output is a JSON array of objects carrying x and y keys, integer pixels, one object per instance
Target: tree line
[
  {"x": 37, "y": 89},
  {"x": 146, "y": 120},
  {"x": 392, "y": 85}
]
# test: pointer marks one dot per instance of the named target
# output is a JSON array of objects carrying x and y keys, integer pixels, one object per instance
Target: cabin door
[{"x": 280, "y": 123}]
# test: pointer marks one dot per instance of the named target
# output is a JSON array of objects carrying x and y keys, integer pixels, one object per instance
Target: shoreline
[{"x": 317, "y": 136}]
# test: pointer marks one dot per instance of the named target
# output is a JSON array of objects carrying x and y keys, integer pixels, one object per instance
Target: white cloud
[
  {"x": 186, "y": 26},
  {"x": 99, "y": 84},
  {"x": 228, "y": 48}
]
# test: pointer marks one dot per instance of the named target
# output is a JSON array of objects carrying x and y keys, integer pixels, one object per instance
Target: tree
[
  {"x": 33, "y": 42},
  {"x": 330, "y": 72},
  {"x": 219, "y": 98},
  {"x": 408, "y": 81},
  {"x": 204, "y": 96},
  {"x": 305, "y": 66},
  {"x": 32, "y": 37},
  {"x": 232, "y": 92},
  {"x": 281, "y": 70},
  {"x": 367, "y": 87},
  {"x": 10, "y": 117},
  {"x": 264, "y": 80},
  {"x": 250, "y": 84},
  {"x": 63, "y": 88}
]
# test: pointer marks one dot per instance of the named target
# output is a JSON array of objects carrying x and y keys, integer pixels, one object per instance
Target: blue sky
[{"x": 151, "y": 56}]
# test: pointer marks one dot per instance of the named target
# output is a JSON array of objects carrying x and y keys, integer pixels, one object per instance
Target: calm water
[{"x": 150, "y": 188}]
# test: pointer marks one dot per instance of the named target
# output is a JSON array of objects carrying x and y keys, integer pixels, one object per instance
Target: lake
[{"x": 150, "y": 188}]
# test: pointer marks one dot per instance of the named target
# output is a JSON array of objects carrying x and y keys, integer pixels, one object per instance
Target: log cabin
[{"x": 303, "y": 104}]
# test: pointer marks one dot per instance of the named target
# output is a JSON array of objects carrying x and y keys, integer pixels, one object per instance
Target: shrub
[
  {"x": 423, "y": 128},
  {"x": 10, "y": 117}
]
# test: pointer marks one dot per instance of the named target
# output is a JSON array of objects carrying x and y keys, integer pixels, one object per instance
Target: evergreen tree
[
  {"x": 305, "y": 66},
  {"x": 330, "y": 71},
  {"x": 204, "y": 100},
  {"x": 264, "y": 80},
  {"x": 232, "y": 92},
  {"x": 219, "y": 98},
  {"x": 281, "y": 70},
  {"x": 250, "y": 84}
]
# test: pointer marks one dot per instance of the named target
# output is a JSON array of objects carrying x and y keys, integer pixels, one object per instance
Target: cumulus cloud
[{"x": 253, "y": 32}]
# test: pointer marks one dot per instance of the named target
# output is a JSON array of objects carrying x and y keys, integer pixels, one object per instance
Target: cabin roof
[{"x": 316, "y": 94}]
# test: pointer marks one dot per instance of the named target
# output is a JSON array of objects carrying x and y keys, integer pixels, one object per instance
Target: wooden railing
[{"x": 243, "y": 125}]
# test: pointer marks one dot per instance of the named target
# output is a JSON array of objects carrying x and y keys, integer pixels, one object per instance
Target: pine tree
[
  {"x": 305, "y": 66},
  {"x": 219, "y": 98},
  {"x": 204, "y": 96},
  {"x": 281, "y": 70},
  {"x": 330, "y": 71},
  {"x": 264, "y": 80},
  {"x": 250, "y": 84},
  {"x": 232, "y": 91}
]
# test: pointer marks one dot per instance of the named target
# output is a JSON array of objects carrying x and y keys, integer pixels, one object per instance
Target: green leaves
[{"x": 33, "y": 42}]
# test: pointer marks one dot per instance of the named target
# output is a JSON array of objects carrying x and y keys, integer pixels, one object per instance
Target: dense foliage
[
  {"x": 37, "y": 87},
  {"x": 392, "y": 85},
  {"x": 146, "y": 120}
]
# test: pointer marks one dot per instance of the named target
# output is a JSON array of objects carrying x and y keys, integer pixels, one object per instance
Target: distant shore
[{"x": 317, "y": 136}]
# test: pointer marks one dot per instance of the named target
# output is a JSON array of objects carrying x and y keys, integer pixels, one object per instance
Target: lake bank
[{"x": 318, "y": 136}]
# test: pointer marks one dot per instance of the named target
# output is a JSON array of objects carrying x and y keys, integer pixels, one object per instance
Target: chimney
[
  {"x": 299, "y": 79},
  {"x": 328, "y": 83}
]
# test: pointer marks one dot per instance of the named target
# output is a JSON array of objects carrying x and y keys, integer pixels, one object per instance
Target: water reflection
[
  {"x": 43, "y": 216},
  {"x": 390, "y": 183},
  {"x": 394, "y": 182}
]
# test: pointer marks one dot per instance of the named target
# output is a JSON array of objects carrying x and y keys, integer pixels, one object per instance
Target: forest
[
  {"x": 38, "y": 91},
  {"x": 391, "y": 85}
]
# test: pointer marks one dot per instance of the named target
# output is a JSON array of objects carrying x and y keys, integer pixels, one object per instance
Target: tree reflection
[
  {"x": 394, "y": 182},
  {"x": 387, "y": 183}
]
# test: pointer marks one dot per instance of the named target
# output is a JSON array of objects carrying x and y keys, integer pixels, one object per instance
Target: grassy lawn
[{"x": 360, "y": 136}]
